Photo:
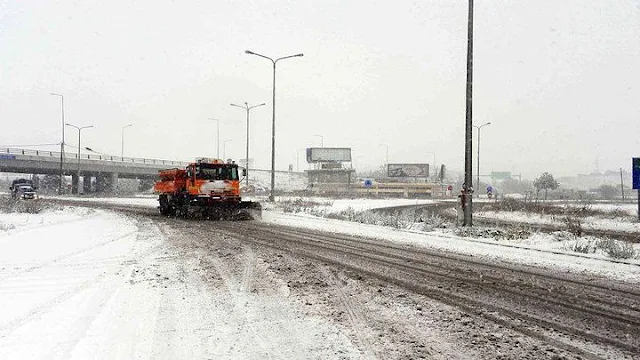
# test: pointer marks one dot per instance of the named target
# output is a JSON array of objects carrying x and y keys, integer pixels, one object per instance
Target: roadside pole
[{"x": 635, "y": 170}]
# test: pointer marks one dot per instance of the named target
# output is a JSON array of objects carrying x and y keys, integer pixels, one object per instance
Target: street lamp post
[
  {"x": 61, "y": 144},
  {"x": 79, "y": 131},
  {"x": 273, "y": 125},
  {"x": 217, "y": 136},
  {"x": 224, "y": 148},
  {"x": 321, "y": 140},
  {"x": 478, "y": 158},
  {"x": 122, "y": 148},
  {"x": 247, "y": 108}
]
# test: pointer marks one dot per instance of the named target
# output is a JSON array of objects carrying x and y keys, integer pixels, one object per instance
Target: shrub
[
  {"x": 8, "y": 205},
  {"x": 574, "y": 226},
  {"x": 617, "y": 249},
  {"x": 584, "y": 247},
  {"x": 302, "y": 205},
  {"x": 491, "y": 233}
]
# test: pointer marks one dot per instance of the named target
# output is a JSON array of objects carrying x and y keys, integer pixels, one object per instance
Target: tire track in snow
[
  {"x": 98, "y": 303},
  {"x": 247, "y": 275},
  {"x": 239, "y": 298},
  {"x": 358, "y": 323}
]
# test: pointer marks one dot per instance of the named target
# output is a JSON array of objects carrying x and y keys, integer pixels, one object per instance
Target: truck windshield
[{"x": 205, "y": 172}]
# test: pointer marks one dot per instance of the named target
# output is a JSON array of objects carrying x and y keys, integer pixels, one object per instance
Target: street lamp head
[
  {"x": 249, "y": 52},
  {"x": 301, "y": 54},
  {"x": 261, "y": 104}
]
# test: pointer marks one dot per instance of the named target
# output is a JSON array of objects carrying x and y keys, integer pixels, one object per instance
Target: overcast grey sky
[{"x": 559, "y": 80}]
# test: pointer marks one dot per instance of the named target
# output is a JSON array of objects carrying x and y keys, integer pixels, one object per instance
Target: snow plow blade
[{"x": 249, "y": 210}]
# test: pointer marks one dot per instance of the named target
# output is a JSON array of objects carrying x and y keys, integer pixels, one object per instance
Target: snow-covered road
[{"x": 82, "y": 283}]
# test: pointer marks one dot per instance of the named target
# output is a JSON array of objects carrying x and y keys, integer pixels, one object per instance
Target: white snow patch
[{"x": 540, "y": 250}]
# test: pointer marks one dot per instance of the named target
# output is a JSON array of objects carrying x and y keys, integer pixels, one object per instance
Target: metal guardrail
[{"x": 67, "y": 155}]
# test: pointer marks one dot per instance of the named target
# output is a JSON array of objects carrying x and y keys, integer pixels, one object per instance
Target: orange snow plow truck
[{"x": 207, "y": 188}]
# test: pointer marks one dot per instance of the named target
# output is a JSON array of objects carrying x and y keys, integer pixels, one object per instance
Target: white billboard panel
[
  {"x": 408, "y": 170},
  {"x": 328, "y": 155}
]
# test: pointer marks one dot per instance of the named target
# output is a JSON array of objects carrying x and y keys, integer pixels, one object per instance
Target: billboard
[
  {"x": 408, "y": 170},
  {"x": 635, "y": 167},
  {"x": 315, "y": 155}
]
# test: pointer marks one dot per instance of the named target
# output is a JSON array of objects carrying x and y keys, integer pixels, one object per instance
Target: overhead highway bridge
[{"x": 104, "y": 169}]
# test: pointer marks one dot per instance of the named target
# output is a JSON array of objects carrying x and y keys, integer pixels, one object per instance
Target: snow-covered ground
[
  {"x": 81, "y": 283},
  {"x": 631, "y": 209},
  {"x": 337, "y": 205},
  {"x": 102, "y": 284},
  {"x": 327, "y": 204},
  {"x": 625, "y": 224},
  {"x": 538, "y": 249}
]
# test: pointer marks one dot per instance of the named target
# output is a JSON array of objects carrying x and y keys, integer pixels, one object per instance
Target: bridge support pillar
[
  {"x": 86, "y": 184},
  {"x": 113, "y": 182},
  {"x": 106, "y": 182},
  {"x": 75, "y": 180}
]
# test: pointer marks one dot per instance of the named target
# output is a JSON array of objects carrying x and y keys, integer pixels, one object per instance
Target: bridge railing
[{"x": 98, "y": 157}]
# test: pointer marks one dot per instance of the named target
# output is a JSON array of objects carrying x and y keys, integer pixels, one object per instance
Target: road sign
[
  {"x": 500, "y": 175},
  {"x": 450, "y": 187},
  {"x": 636, "y": 173},
  {"x": 489, "y": 189},
  {"x": 368, "y": 183}
]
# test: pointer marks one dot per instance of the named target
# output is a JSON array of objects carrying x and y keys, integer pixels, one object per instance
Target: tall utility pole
[
  {"x": 122, "y": 147},
  {"x": 247, "y": 108},
  {"x": 467, "y": 191},
  {"x": 273, "y": 124},
  {"x": 217, "y": 136},
  {"x": 478, "y": 157},
  {"x": 61, "y": 145},
  {"x": 77, "y": 189}
]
